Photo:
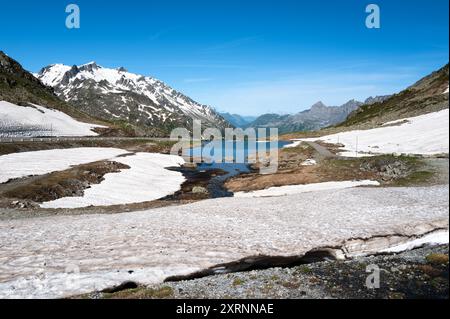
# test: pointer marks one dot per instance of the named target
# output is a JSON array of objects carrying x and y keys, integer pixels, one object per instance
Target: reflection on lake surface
[
  {"x": 231, "y": 151},
  {"x": 229, "y": 156}
]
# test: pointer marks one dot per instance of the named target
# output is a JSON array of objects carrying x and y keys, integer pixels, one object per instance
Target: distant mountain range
[
  {"x": 317, "y": 117},
  {"x": 238, "y": 120},
  {"x": 118, "y": 95}
]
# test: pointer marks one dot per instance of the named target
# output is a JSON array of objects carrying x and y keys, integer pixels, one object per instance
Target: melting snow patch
[
  {"x": 147, "y": 179},
  {"x": 437, "y": 238},
  {"x": 37, "y": 120},
  {"x": 426, "y": 134},
  {"x": 74, "y": 281},
  {"x": 297, "y": 189},
  {"x": 19, "y": 165},
  {"x": 309, "y": 162},
  {"x": 293, "y": 144}
]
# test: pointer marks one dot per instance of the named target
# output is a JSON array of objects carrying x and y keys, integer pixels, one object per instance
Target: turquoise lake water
[{"x": 228, "y": 156}]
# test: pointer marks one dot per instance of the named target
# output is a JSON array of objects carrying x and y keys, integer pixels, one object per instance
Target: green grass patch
[
  {"x": 275, "y": 278},
  {"x": 301, "y": 148},
  {"x": 164, "y": 292},
  {"x": 414, "y": 179},
  {"x": 437, "y": 259},
  {"x": 238, "y": 282},
  {"x": 304, "y": 270}
]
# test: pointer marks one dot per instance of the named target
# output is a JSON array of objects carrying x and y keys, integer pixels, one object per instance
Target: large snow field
[
  {"x": 426, "y": 134},
  {"x": 297, "y": 189},
  {"x": 59, "y": 256},
  {"x": 23, "y": 164},
  {"x": 24, "y": 121},
  {"x": 145, "y": 180}
]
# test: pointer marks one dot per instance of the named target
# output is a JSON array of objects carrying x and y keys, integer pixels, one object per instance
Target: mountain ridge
[
  {"x": 238, "y": 120},
  {"x": 116, "y": 94},
  {"x": 316, "y": 117}
]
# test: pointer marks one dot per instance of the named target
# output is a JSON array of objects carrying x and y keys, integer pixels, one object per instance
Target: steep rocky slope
[
  {"x": 20, "y": 87},
  {"x": 430, "y": 94}
]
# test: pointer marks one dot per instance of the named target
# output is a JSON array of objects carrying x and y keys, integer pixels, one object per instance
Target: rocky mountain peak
[
  {"x": 350, "y": 106},
  {"x": 317, "y": 117},
  {"x": 90, "y": 67},
  {"x": 376, "y": 99},
  {"x": 352, "y": 101},
  {"x": 318, "y": 105}
]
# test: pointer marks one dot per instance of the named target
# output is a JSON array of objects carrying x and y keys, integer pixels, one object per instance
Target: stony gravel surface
[{"x": 412, "y": 274}]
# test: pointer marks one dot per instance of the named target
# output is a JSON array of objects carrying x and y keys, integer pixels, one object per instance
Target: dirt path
[{"x": 322, "y": 151}]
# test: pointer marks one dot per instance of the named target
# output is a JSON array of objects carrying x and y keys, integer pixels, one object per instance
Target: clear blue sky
[{"x": 248, "y": 57}]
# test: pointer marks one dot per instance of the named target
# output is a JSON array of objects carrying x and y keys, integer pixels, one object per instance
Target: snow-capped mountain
[{"x": 116, "y": 94}]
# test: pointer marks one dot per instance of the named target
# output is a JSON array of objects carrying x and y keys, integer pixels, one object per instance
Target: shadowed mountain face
[
  {"x": 118, "y": 95},
  {"x": 20, "y": 87},
  {"x": 317, "y": 117},
  {"x": 430, "y": 94}
]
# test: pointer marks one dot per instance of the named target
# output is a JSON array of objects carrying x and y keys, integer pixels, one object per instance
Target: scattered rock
[
  {"x": 23, "y": 204},
  {"x": 199, "y": 190},
  {"x": 387, "y": 170}
]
